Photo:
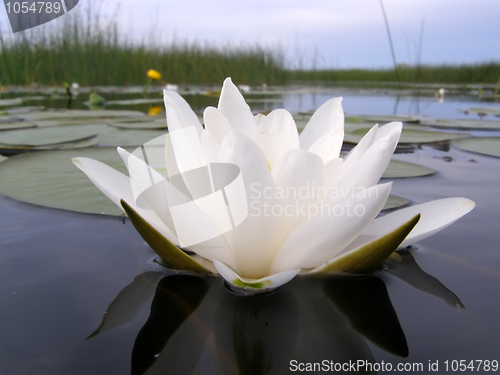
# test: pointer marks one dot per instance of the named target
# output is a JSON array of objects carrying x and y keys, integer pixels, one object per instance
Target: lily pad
[
  {"x": 64, "y": 122},
  {"x": 83, "y": 143},
  {"x": 50, "y": 136},
  {"x": 135, "y": 101},
  {"x": 121, "y": 137},
  {"x": 153, "y": 125},
  {"x": 16, "y": 125},
  {"x": 24, "y": 109},
  {"x": 140, "y": 119},
  {"x": 409, "y": 136},
  {"x": 395, "y": 202},
  {"x": 401, "y": 169},
  {"x": 481, "y": 145},
  {"x": 10, "y": 102},
  {"x": 484, "y": 111},
  {"x": 80, "y": 114},
  {"x": 462, "y": 124},
  {"x": 50, "y": 179},
  {"x": 382, "y": 119}
]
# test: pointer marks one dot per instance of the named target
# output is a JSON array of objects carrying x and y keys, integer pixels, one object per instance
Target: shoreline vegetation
[{"x": 85, "y": 51}]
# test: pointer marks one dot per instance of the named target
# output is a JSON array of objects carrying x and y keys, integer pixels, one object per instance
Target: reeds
[
  {"x": 488, "y": 72},
  {"x": 84, "y": 50}
]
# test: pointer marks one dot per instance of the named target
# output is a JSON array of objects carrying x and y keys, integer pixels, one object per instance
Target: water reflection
[{"x": 196, "y": 326}]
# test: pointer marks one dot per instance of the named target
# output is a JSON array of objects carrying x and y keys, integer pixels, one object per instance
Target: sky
[{"x": 319, "y": 33}]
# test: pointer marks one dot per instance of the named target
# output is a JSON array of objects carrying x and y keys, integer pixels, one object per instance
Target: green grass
[
  {"x": 462, "y": 74},
  {"x": 92, "y": 54},
  {"x": 84, "y": 50}
]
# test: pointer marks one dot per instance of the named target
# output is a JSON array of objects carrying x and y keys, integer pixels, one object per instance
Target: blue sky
[{"x": 343, "y": 33}]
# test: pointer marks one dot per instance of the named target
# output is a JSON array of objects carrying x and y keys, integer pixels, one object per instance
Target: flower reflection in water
[{"x": 196, "y": 326}]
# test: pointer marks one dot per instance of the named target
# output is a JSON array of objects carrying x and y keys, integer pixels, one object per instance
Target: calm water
[{"x": 60, "y": 271}]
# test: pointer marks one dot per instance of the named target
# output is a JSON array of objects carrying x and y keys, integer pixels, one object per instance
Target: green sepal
[
  {"x": 171, "y": 255},
  {"x": 370, "y": 256},
  {"x": 95, "y": 99}
]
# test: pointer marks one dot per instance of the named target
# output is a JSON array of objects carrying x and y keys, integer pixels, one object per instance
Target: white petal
[
  {"x": 388, "y": 130},
  {"x": 276, "y": 135},
  {"x": 117, "y": 186},
  {"x": 216, "y": 123},
  {"x": 151, "y": 192},
  {"x": 255, "y": 285},
  {"x": 319, "y": 239},
  {"x": 187, "y": 148},
  {"x": 258, "y": 118},
  {"x": 155, "y": 194},
  {"x": 252, "y": 241},
  {"x": 327, "y": 117},
  {"x": 328, "y": 147},
  {"x": 113, "y": 184},
  {"x": 355, "y": 154},
  {"x": 210, "y": 147},
  {"x": 370, "y": 139},
  {"x": 299, "y": 176},
  {"x": 233, "y": 106},
  {"x": 435, "y": 215},
  {"x": 332, "y": 172},
  {"x": 371, "y": 165},
  {"x": 179, "y": 113}
]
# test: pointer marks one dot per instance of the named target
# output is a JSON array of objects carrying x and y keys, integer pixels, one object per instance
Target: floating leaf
[
  {"x": 96, "y": 100},
  {"x": 401, "y": 169},
  {"x": 10, "y": 102},
  {"x": 24, "y": 109},
  {"x": 80, "y": 114},
  {"x": 481, "y": 145},
  {"x": 50, "y": 179},
  {"x": 16, "y": 125},
  {"x": 64, "y": 122},
  {"x": 171, "y": 255},
  {"x": 369, "y": 257},
  {"x": 394, "y": 201},
  {"x": 50, "y": 136},
  {"x": 122, "y": 137},
  {"x": 140, "y": 119},
  {"x": 382, "y": 119},
  {"x": 83, "y": 143},
  {"x": 409, "y": 136},
  {"x": 462, "y": 124},
  {"x": 153, "y": 125},
  {"x": 135, "y": 101},
  {"x": 484, "y": 111},
  {"x": 212, "y": 93}
]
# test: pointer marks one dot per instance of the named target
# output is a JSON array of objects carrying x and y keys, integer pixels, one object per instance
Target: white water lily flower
[{"x": 260, "y": 202}]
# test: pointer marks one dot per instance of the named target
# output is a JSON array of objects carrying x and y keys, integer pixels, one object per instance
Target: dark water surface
[{"x": 60, "y": 271}]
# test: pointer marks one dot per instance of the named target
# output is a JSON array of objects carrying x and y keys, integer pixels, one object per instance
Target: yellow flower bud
[
  {"x": 153, "y": 74},
  {"x": 153, "y": 111}
]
